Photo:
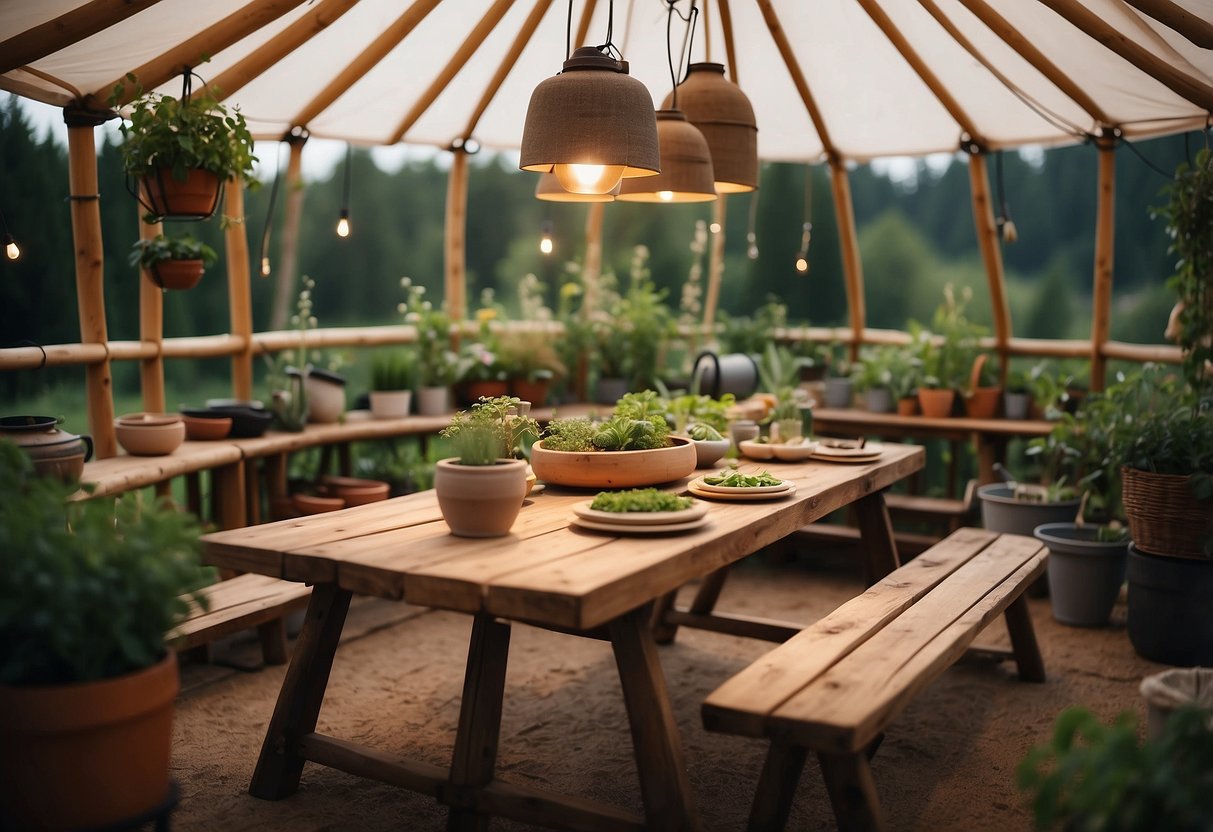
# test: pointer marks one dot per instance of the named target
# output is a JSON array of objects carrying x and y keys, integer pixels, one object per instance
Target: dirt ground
[{"x": 947, "y": 763}]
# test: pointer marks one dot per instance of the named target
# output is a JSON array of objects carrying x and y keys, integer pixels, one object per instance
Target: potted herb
[
  {"x": 839, "y": 388},
  {"x": 947, "y": 352},
  {"x": 874, "y": 377},
  {"x": 982, "y": 393},
  {"x": 480, "y": 490},
  {"x": 173, "y": 263},
  {"x": 87, "y": 683},
  {"x": 1017, "y": 398},
  {"x": 437, "y": 365},
  {"x": 182, "y": 150},
  {"x": 393, "y": 375},
  {"x": 631, "y": 333},
  {"x": 531, "y": 363}
]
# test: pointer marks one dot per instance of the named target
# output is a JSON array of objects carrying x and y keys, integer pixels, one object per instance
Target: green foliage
[
  {"x": 948, "y": 349},
  {"x": 894, "y": 367},
  {"x": 636, "y": 323},
  {"x": 701, "y": 432},
  {"x": 437, "y": 365},
  {"x": 148, "y": 253},
  {"x": 530, "y": 354},
  {"x": 623, "y": 433},
  {"x": 570, "y": 435},
  {"x": 90, "y": 587},
  {"x": 750, "y": 334},
  {"x": 736, "y": 479},
  {"x": 1101, "y": 778},
  {"x": 646, "y": 406},
  {"x": 198, "y": 132},
  {"x": 490, "y": 430},
  {"x": 686, "y": 409},
  {"x": 778, "y": 368},
  {"x": 639, "y": 499},
  {"x": 394, "y": 370}
]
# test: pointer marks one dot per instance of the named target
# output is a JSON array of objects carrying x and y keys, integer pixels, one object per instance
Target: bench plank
[{"x": 240, "y": 603}]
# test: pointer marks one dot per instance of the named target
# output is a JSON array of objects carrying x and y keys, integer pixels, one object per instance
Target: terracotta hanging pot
[
  {"x": 176, "y": 274},
  {"x": 86, "y": 755},
  {"x": 196, "y": 198},
  {"x": 54, "y": 452}
]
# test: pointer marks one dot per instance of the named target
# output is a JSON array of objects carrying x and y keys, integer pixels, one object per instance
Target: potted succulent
[
  {"x": 480, "y": 490},
  {"x": 173, "y": 263},
  {"x": 393, "y": 375},
  {"x": 183, "y": 150},
  {"x": 87, "y": 683}
]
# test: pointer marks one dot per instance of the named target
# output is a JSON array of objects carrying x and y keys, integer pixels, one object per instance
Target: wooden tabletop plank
[{"x": 125, "y": 472}]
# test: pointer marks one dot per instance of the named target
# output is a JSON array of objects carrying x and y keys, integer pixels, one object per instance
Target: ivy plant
[{"x": 158, "y": 249}]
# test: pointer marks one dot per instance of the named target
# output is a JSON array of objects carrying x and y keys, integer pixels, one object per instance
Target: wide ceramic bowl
[
  {"x": 793, "y": 451},
  {"x": 709, "y": 451},
  {"x": 152, "y": 438},
  {"x": 756, "y": 450},
  {"x": 615, "y": 469}
]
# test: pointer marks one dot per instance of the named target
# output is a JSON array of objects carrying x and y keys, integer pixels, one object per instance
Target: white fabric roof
[{"x": 872, "y": 100}]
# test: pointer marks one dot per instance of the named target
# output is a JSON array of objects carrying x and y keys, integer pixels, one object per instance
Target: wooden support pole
[
  {"x": 715, "y": 268},
  {"x": 287, "y": 271},
  {"x": 81, "y": 22},
  {"x": 85, "y": 204},
  {"x": 852, "y": 265},
  {"x": 1173, "y": 16},
  {"x": 991, "y": 253},
  {"x": 1105, "y": 232},
  {"x": 239, "y": 292},
  {"x": 455, "y": 283},
  {"x": 730, "y": 51},
  {"x": 151, "y": 327}
]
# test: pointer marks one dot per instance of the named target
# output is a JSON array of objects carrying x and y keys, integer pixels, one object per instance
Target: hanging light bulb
[
  {"x": 343, "y": 224},
  {"x": 545, "y": 238},
  {"x": 752, "y": 245},
  {"x": 11, "y": 250},
  {"x": 343, "y": 219},
  {"x": 802, "y": 256},
  {"x": 549, "y": 189},
  {"x": 714, "y": 228},
  {"x": 265, "y": 266}
]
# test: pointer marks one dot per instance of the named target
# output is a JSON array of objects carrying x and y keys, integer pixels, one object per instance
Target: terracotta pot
[
  {"x": 615, "y": 469},
  {"x": 983, "y": 402},
  {"x": 312, "y": 504},
  {"x": 907, "y": 406},
  {"x": 55, "y": 453},
  {"x": 176, "y": 274},
  {"x": 150, "y": 438},
  {"x": 480, "y": 500},
  {"x": 86, "y": 755},
  {"x": 390, "y": 404},
  {"x": 195, "y": 198},
  {"x": 535, "y": 392},
  {"x": 199, "y": 429},
  {"x": 936, "y": 404},
  {"x": 356, "y": 491},
  {"x": 325, "y": 396},
  {"x": 474, "y": 391},
  {"x": 433, "y": 401}
]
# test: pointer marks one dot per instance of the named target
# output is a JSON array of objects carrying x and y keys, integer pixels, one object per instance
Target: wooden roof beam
[
  {"x": 1198, "y": 30},
  {"x": 1182, "y": 84},
  {"x": 507, "y": 63},
  {"x": 367, "y": 59},
  {"x": 470, "y": 44},
  {"x": 802, "y": 87},
  {"x": 278, "y": 47},
  {"x": 730, "y": 48},
  {"x": 66, "y": 29},
  {"x": 193, "y": 52}
]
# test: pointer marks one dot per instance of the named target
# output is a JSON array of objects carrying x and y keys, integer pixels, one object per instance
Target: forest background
[{"x": 916, "y": 234}]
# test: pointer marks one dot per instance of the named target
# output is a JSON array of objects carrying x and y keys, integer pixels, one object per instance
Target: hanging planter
[
  {"x": 196, "y": 198},
  {"x": 173, "y": 263}
]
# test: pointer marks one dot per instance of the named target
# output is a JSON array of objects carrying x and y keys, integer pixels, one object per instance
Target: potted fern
[
  {"x": 173, "y": 263},
  {"x": 480, "y": 490},
  {"x": 87, "y": 682}
]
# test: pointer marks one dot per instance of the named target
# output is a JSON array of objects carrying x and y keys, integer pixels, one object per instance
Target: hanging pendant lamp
[
  {"x": 591, "y": 125},
  {"x": 550, "y": 190},
  {"x": 724, "y": 115},
  {"x": 686, "y": 165}
]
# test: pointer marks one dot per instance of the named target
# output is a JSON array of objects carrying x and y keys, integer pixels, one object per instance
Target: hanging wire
[
  {"x": 568, "y": 33},
  {"x": 263, "y": 254},
  {"x": 688, "y": 43}
]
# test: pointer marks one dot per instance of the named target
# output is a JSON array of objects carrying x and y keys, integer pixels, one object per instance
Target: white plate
[
  {"x": 867, "y": 453},
  {"x": 639, "y": 518},
  {"x": 794, "y": 453},
  {"x": 739, "y": 494},
  {"x": 755, "y": 450},
  {"x": 651, "y": 528},
  {"x": 733, "y": 489}
]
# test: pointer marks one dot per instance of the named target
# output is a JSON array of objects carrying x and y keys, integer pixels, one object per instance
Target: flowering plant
[{"x": 436, "y": 363}]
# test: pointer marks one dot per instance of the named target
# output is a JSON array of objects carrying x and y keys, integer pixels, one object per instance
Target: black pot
[
  {"x": 1169, "y": 604},
  {"x": 247, "y": 422}
]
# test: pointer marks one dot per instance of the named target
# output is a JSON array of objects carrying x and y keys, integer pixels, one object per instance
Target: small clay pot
[
  {"x": 480, "y": 500},
  {"x": 312, "y": 504},
  {"x": 150, "y": 439},
  {"x": 199, "y": 429}
]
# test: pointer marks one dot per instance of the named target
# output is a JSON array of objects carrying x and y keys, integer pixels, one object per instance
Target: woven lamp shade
[
  {"x": 592, "y": 113},
  {"x": 723, "y": 114},
  {"x": 550, "y": 190},
  {"x": 686, "y": 165}
]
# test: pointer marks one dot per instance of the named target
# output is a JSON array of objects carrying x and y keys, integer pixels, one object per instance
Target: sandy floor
[{"x": 947, "y": 763}]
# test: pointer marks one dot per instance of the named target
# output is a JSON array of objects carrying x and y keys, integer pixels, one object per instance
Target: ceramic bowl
[
  {"x": 614, "y": 469},
  {"x": 207, "y": 428},
  {"x": 148, "y": 419},
  {"x": 150, "y": 439},
  {"x": 794, "y": 452},
  {"x": 709, "y": 451},
  {"x": 756, "y": 450}
]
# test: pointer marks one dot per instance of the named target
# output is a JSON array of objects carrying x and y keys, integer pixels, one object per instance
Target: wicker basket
[{"x": 1164, "y": 517}]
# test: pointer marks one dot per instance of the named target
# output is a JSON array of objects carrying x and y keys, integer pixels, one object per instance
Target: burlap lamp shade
[
  {"x": 591, "y": 125},
  {"x": 549, "y": 190},
  {"x": 686, "y": 165},
  {"x": 723, "y": 114}
]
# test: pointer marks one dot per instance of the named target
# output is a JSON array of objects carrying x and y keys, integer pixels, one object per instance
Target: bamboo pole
[
  {"x": 375, "y": 52},
  {"x": 456, "y": 231},
  {"x": 241, "y": 311},
  {"x": 1105, "y": 233},
  {"x": 715, "y": 267},
  {"x": 1184, "y": 85},
  {"x": 991, "y": 252},
  {"x": 68, "y": 28},
  {"x": 1196, "y": 29},
  {"x": 507, "y": 63},
  {"x": 90, "y": 276},
  {"x": 470, "y": 44},
  {"x": 193, "y": 52},
  {"x": 852, "y": 265},
  {"x": 730, "y": 50},
  {"x": 151, "y": 327},
  {"x": 287, "y": 272}
]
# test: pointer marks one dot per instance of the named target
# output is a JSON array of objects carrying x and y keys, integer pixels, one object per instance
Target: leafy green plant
[
  {"x": 90, "y": 587},
  {"x": 630, "y": 335},
  {"x": 947, "y": 350},
  {"x": 437, "y": 364},
  {"x": 623, "y": 433},
  {"x": 1093, "y": 776},
  {"x": 701, "y": 432},
  {"x": 147, "y": 253},
  {"x": 683, "y": 410},
  {"x": 570, "y": 435},
  {"x": 530, "y": 355},
  {"x": 490, "y": 430},
  {"x": 185, "y": 134},
  {"x": 750, "y": 334},
  {"x": 637, "y": 424},
  {"x": 736, "y": 479},
  {"x": 778, "y": 369},
  {"x": 639, "y": 500},
  {"x": 394, "y": 370}
]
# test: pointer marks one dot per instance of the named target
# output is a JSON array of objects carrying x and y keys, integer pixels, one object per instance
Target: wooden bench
[
  {"x": 837, "y": 685},
  {"x": 242, "y": 603}
]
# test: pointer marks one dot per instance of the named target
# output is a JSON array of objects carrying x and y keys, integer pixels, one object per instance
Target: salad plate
[
  {"x": 739, "y": 494},
  {"x": 735, "y": 489},
  {"x": 638, "y": 518},
  {"x": 641, "y": 528}
]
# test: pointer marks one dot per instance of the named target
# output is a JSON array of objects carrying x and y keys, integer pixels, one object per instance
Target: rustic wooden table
[{"x": 549, "y": 573}]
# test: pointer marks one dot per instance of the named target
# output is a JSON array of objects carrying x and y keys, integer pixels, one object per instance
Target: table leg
[
  {"x": 279, "y": 766},
  {"x": 876, "y": 533},
  {"x": 475, "y": 756},
  {"x": 227, "y": 486},
  {"x": 664, "y": 786}
]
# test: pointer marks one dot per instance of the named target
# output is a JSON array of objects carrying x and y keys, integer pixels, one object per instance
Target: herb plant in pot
[
  {"x": 86, "y": 681},
  {"x": 182, "y": 150},
  {"x": 173, "y": 263},
  {"x": 393, "y": 375},
  {"x": 874, "y": 377},
  {"x": 480, "y": 490}
]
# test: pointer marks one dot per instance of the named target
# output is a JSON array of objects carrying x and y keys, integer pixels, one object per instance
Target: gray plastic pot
[
  {"x": 1085, "y": 574},
  {"x": 1001, "y": 512}
]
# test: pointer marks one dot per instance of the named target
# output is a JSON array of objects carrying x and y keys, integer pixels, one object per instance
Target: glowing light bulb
[
  {"x": 11, "y": 250},
  {"x": 343, "y": 225},
  {"x": 802, "y": 264},
  {"x": 588, "y": 179},
  {"x": 714, "y": 228},
  {"x": 545, "y": 244},
  {"x": 265, "y": 267},
  {"x": 665, "y": 196}
]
